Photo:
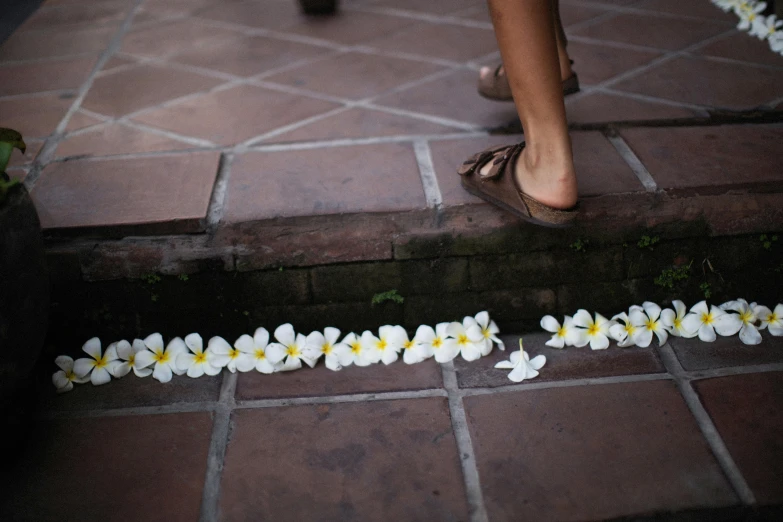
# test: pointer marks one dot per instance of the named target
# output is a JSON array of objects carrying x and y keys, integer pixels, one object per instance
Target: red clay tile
[
  {"x": 28, "y": 45},
  {"x": 80, "y": 120},
  {"x": 35, "y": 117},
  {"x": 116, "y": 61},
  {"x": 172, "y": 37},
  {"x": 698, "y": 9},
  {"x": 708, "y": 83},
  {"x": 130, "y": 90},
  {"x": 320, "y": 381},
  {"x": 447, "y": 42},
  {"x": 596, "y": 63},
  {"x": 277, "y": 16},
  {"x": 441, "y": 7},
  {"x": 571, "y": 14},
  {"x": 592, "y": 452},
  {"x": 598, "y": 107},
  {"x": 124, "y": 468},
  {"x": 741, "y": 46},
  {"x": 44, "y": 76},
  {"x": 453, "y": 96},
  {"x": 746, "y": 411},
  {"x": 726, "y": 351},
  {"x": 248, "y": 55},
  {"x": 115, "y": 139},
  {"x": 128, "y": 193},
  {"x": 69, "y": 17},
  {"x": 388, "y": 460},
  {"x": 652, "y": 31},
  {"x": 728, "y": 156},
  {"x": 33, "y": 148},
  {"x": 566, "y": 364},
  {"x": 355, "y": 75},
  {"x": 263, "y": 185},
  {"x": 234, "y": 115},
  {"x": 361, "y": 123},
  {"x": 350, "y": 28}
]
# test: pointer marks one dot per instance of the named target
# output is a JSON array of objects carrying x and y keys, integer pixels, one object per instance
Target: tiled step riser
[{"x": 517, "y": 288}]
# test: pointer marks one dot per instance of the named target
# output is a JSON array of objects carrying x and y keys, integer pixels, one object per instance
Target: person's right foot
[{"x": 493, "y": 83}]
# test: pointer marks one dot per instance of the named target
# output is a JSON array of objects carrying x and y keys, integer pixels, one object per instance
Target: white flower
[
  {"x": 412, "y": 349},
  {"x": 361, "y": 355},
  {"x": 522, "y": 366},
  {"x": 776, "y": 41},
  {"x": 764, "y": 27},
  {"x": 624, "y": 331},
  {"x": 290, "y": 346},
  {"x": 469, "y": 341},
  {"x": 257, "y": 349},
  {"x": 596, "y": 330},
  {"x": 63, "y": 380},
  {"x": 748, "y": 333},
  {"x": 336, "y": 355},
  {"x": 648, "y": 322},
  {"x": 99, "y": 364},
  {"x": 435, "y": 341},
  {"x": 672, "y": 320},
  {"x": 563, "y": 335},
  {"x": 773, "y": 320},
  {"x": 196, "y": 363},
  {"x": 749, "y": 13},
  {"x": 165, "y": 360},
  {"x": 489, "y": 331},
  {"x": 728, "y": 5},
  {"x": 707, "y": 321},
  {"x": 134, "y": 357},
  {"x": 386, "y": 346},
  {"x": 220, "y": 354}
]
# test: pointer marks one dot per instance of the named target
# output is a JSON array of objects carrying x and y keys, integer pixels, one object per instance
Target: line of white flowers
[
  {"x": 473, "y": 338},
  {"x": 768, "y": 28}
]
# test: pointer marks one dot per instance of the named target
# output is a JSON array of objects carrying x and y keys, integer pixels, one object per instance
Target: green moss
[
  {"x": 648, "y": 242},
  {"x": 670, "y": 276},
  {"x": 390, "y": 295},
  {"x": 580, "y": 245}
]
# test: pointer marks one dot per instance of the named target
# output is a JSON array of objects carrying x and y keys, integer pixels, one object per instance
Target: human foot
[{"x": 493, "y": 83}]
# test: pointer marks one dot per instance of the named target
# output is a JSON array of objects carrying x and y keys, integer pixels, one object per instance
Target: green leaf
[{"x": 9, "y": 140}]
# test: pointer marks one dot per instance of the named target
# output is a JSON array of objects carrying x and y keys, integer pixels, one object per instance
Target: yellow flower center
[
  {"x": 746, "y": 317},
  {"x": 161, "y": 357},
  {"x": 650, "y": 324},
  {"x": 382, "y": 344},
  {"x": 200, "y": 358},
  {"x": 327, "y": 348},
  {"x": 593, "y": 329},
  {"x": 629, "y": 328},
  {"x": 101, "y": 362},
  {"x": 437, "y": 342},
  {"x": 487, "y": 334},
  {"x": 293, "y": 351},
  {"x": 561, "y": 332},
  {"x": 70, "y": 376},
  {"x": 132, "y": 359},
  {"x": 356, "y": 347},
  {"x": 772, "y": 318},
  {"x": 408, "y": 345},
  {"x": 260, "y": 354},
  {"x": 707, "y": 318},
  {"x": 462, "y": 339},
  {"x": 678, "y": 323},
  {"x": 234, "y": 353}
]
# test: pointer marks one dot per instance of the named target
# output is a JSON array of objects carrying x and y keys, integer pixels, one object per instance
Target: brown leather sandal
[
  {"x": 499, "y": 187},
  {"x": 495, "y": 86}
]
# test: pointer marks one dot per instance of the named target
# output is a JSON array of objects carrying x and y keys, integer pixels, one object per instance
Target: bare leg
[{"x": 526, "y": 35}]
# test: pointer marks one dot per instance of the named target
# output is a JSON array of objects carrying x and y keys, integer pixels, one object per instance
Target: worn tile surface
[{"x": 725, "y": 352}]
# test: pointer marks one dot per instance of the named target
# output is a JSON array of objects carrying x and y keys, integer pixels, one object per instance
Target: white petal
[
  {"x": 550, "y": 324},
  {"x": 538, "y": 362},
  {"x": 196, "y": 370},
  {"x": 679, "y": 308},
  {"x": 727, "y": 324},
  {"x": 522, "y": 372},
  {"x": 707, "y": 333},
  {"x": 275, "y": 352},
  {"x": 100, "y": 376},
  {"x": 331, "y": 334},
  {"x": 68, "y": 387},
  {"x": 176, "y": 346},
  {"x": 162, "y": 372},
  {"x": 154, "y": 343},
  {"x": 194, "y": 342},
  {"x": 599, "y": 342},
  {"x": 245, "y": 344},
  {"x": 389, "y": 356},
  {"x": 440, "y": 329},
  {"x": 119, "y": 371},
  {"x": 332, "y": 363},
  {"x": 64, "y": 362},
  {"x": 81, "y": 367},
  {"x": 142, "y": 372},
  {"x": 644, "y": 338},
  {"x": 482, "y": 318},
  {"x": 261, "y": 337},
  {"x": 245, "y": 362},
  {"x": 291, "y": 363},
  {"x": 143, "y": 359},
  {"x": 219, "y": 346},
  {"x": 124, "y": 350},
  {"x": 700, "y": 308},
  {"x": 583, "y": 319},
  {"x": 218, "y": 360},
  {"x": 185, "y": 361},
  {"x": 652, "y": 310},
  {"x": 662, "y": 335},
  {"x": 210, "y": 370},
  {"x": 424, "y": 334},
  {"x": 93, "y": 348},
  {"x": 471, "y": 352},
  {"x": 668, "y": 317},
  {"x": 692, "y": 322},
  {"x": 556, "y": 342},
  {"x": 750, "y": 335},
  {"x": 504, "y": 365},
  {"x": 285, "y": 334},
  {"x": 60, "y": 380}
]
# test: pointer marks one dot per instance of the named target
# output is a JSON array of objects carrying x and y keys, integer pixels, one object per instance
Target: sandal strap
[
  {"x": 504, "y": 162},
  {"x": 479, "y": 159}
]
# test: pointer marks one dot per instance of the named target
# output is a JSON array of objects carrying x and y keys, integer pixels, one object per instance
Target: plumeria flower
[
  {"x": 770, "y": 319},
  {"x": 413, "y": 350},
  {"x": 672, "y": 320},
  {"x": 776, "y": 41},
  {"x": 764, "y": 27},
  {"x": 386, "y": 346},
  {"x": 134, "y": 357},
  {"x": 165, "y": 359},
  {"x": 624, "y": 331},
  {"x": 706, "y": 321},
  {"x": 99, "y": 364},
  {"x": 435, "y": 341},
  {"x": 196, "y": 363},
  {"x": 63, "y": 380},
  {"x": 728, "y": 5},
  {"x": 256, "y": 348},
  {"x": 596, "y": 330},
  {"x": 220, "y": 354},
  {"x": 522, "y": 367},
  {"x": 648, "y": 322},
  {"x": 361, "y": 354},
  {"x": 469, "y": 341},
  {"x": 563, "y": 335},
  {"x": 749, "y": 13},
  {"x": 489, "y": 331},
  {"x": 748, "y": 333},
  {"x": 336, "y": 355},
  {"x": 289, "y": 346}
]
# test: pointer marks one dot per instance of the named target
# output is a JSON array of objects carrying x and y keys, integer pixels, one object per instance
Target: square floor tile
[
  {"x": 23, "y": 78},
  {"x": 28, "y": 45},
  {"x": 710, "y": 159},
  {"x": 36, "y": 116},
  {"x": 708, "y": 83},
  {"x": 592, "y": 452},
  {"x": 568, "y": 363},
  {"x": 265, "y": 14},
  {"x": 596, "y": 63},
  {"x": 746, "y": 411},
  {"x": 446, "y": 42},
  {"x": 441, "y": 7},
  {"x": 695, "y": 355},
  {"x": 131, "y": 90},
  {"x": 354, "y": 75},
  {"x": 600, "y": 107},
  {"x": 167, "y": 194},
  {"x": 350, "y": 27},
  {"x": 77, "y": 16},
  {"x": 116, "y": 139},
  {"x": 172, "y": 37},
  {"x": 234, "y": 115},
  {"x": 705, "y": 10},
  {"x": 361, "y": 178},
  {"x": 386, "y": 460},
  {"x": 124, "y": 468},
  {"x": 741, "y": 46},
  {"x": 571, "y": 14}
]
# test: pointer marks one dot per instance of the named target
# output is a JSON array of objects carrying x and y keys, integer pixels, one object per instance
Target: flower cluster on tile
[
  {"x": 767, "y": 28},
  {"x": 472, "y": 338},
  {"x": 637, "y": 326}
]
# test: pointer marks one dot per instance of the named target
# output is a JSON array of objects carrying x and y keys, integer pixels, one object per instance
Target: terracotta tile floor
[{"x": 222, "y": 120}]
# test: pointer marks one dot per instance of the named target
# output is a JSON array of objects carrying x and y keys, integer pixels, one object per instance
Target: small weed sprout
[
  {"x": 390, "y": 295},
  {"x": 706, "y": 290},
  {"x": 580, "y": 245},
  {"x": 673, "y": 275},
  {"x": 151, "y": 279},
  {"x": 183, "y": 277},
  {"x": 648, "y": 242},
  {"x": 767, "y": 241}
]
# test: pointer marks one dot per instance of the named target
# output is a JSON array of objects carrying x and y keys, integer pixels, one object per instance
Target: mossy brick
[
  {"x": 650, "y": 262},
  {"x": 435, "y": 276},
  {"x": 348, "y": 317},
  {"x": 271, "y": 287},
  {"x": 354, "y": 282}
]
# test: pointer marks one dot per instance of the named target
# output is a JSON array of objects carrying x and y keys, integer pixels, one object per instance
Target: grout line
[
  {"x": 290, "y": 127},
  {"x": 217, "y": 450},
  {"x": 188, "y": 407},
  {"x": 707, "y": 427},
  {"x": 468, "y": 392},
  {"x": 633, "y": 161},
  {"x": 459, "y": 423},
  {"x": 735, "y": 370},
  {"x": 446, "y": 122},
  {"x": 217, "y": 202},
  {"x": 47, "y": 151},
  {"x": 421, "y": 16},
  {"x": 429, "y": 180},
  {"x": 652, "y": 99},
  {"x": 338, "y": 399}
]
